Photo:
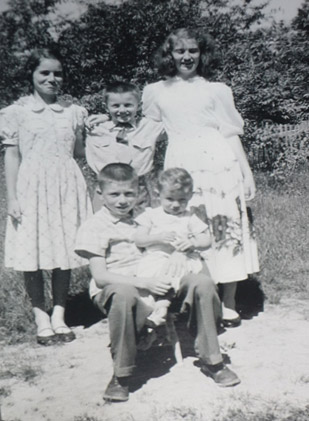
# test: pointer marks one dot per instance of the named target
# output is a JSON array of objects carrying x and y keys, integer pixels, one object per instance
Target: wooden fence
[{"x": 274, "y": 139}]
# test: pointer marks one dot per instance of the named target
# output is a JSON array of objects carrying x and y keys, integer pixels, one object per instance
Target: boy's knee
[
  {"x": 118, "y": 295},
  {"x": 202, "y": 284},
  {"x": 125, "y": 294}
]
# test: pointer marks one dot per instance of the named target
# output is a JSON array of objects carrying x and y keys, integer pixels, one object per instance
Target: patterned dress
[
  {"x": 51, "y": 190},
  {"x": 200, "y": 118}
]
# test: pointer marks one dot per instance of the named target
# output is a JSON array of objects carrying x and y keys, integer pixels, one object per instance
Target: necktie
[{"x": 122, "y": 134}]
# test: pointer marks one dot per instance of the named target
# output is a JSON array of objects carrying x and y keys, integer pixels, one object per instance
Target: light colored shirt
[
  {"x": 102, "y": 147},
  {"x": 112, "y": 238},
  {"x": 158, "y": 221}
]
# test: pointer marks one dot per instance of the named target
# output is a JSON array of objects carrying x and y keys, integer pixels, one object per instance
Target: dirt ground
[{"x": 269, "y": 352}]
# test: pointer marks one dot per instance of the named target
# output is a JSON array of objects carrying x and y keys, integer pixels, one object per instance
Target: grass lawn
[{"x": 281, "y": 220}]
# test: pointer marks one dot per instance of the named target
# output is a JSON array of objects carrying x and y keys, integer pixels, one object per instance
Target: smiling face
[
  {"x": 186, "y": 55},
  {"x": 174, "y": 202},
  {"x": 122, "y": 107},
  {"x": 47, "y": 78},
  {"x": 119, "y": 197}
]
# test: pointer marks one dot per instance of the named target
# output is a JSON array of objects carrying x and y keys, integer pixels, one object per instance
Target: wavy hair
[
  {"x": 176, "y": 179},
  {"x": 36, "y": 56},
  {"x": 164, "y": 61}
]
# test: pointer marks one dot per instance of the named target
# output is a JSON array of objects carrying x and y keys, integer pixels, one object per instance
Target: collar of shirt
[
  {"x": 105, "y": 213},
  {"x": 120, "y": 126}
]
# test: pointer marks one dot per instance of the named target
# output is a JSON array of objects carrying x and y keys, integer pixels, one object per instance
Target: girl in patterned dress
[
  {"x": 46, "y": 191},
  {"x": 203, "y": 128}
]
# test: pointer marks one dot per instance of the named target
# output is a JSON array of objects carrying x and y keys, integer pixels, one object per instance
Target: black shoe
[
  {"x": 232, "y": 322},
  {"x": 117, "y": 390},
  {"x": 221, "y": 374}
]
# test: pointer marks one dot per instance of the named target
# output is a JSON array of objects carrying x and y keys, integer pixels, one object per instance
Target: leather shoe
[
  {"x": 232, "y": 322},
  {"x": 221, "y": 374},
  {"x": 117, "y": 390}
]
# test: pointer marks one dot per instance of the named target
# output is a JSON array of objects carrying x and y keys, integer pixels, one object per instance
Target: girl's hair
[
  {"x": 117, "y": 172},
  {"x": 120, "y": 87},
  {"x": 164, "y": 60},
  {"x": 35, "y": 58},
  {"x": 176, "y": 179}
]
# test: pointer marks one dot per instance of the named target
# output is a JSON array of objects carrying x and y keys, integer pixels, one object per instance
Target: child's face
[
  {"x": 186, "y": 55},
  {"x": 122, "y": 107},
  {"x": 47, "y": 77},
  {"x": 119, "y": 197},
  {"x": 174, "y": 202}
]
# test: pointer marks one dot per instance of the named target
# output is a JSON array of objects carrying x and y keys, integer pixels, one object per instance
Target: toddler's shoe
[
  {"x": 117, "y": 389},
  {"x": 221, "y": 374},
  {"x": 157, "y": 317}
]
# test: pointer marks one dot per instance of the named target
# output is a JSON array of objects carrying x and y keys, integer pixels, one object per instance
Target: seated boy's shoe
[
  {"x": 146, "y": 339},
  {"x": 221, "y": 374},
  {"x": 117, "y": 389}
]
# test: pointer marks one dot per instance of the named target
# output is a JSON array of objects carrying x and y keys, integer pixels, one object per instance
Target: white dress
[
  {"x": 200, "y": 117},
  {"x": 51, "y": 189}
]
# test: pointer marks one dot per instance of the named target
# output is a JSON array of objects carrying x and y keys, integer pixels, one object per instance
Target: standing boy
[
  {"x": 107, "y": 240},
  {"x": 124, "y": 138}
]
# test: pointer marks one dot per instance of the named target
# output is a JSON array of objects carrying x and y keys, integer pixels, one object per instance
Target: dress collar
[{"x": 38, "y": 105}]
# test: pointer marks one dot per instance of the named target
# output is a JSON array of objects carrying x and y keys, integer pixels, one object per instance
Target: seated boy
[
  {"x": 107, "y": 240},
  {"x": 124, "y": 137}
]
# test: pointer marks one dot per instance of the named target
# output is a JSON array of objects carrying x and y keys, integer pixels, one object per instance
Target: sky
[{"x": 281, "y": 9}]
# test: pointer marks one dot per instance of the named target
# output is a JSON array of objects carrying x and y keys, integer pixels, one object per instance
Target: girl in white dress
[
  {"x": 46, "y": 191},
  {"x": 203, "y": 128}
]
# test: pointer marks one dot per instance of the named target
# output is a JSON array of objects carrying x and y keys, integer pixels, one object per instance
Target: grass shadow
[
  {"x": 249, "y": 298},
  {"x": 80, "y": 311}
]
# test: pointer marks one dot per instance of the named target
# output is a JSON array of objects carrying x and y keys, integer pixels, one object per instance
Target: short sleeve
[
  {"x": 9, "y": 127},
  {"x": 81, "y": 115},
  {"x": 150, "y": 107},
  {"x": 144, "y": 219},
  {"x": 196, "y": 225},
  {"x": 229, "y": 119},
  {"x": 89, "y": 240}
]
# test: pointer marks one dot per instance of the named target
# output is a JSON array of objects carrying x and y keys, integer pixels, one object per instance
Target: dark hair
[
  {"x": 36, "y": 57},
  {"x": 120, "y": 87},
  {"x": 176, "y": 179},
  {"x": 164, "y": 60},
  {"x": 117, "y": 172}
]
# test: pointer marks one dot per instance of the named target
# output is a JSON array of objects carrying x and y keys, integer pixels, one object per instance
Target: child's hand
[
  {"x": 175, "y": 266},
  {"x": 95, "y": 119},
  {"x": 14, "y": 211},
  {"x": 158, "y": 286},
  {"x": 182, "y": 244}
]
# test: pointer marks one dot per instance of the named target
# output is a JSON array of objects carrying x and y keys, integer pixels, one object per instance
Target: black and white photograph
[{"x": 154, "y": 240}]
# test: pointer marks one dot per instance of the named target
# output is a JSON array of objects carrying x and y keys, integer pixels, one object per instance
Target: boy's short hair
[
  {"x": 176, "y": 179},
  {"x": 121, "y": 87},
  {"x": 117, "y": 172}
]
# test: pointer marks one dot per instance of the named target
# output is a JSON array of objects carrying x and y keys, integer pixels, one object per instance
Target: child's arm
[
  {"x": 244, "y": 166},
  {"x": 103, "y": 277},
  {"x": 144, "y": 239},
  {"x": 12, "y": 162},
  {"x": 199, "y": 241}
]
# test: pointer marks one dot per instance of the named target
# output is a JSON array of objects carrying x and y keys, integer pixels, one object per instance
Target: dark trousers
[{"x": 127, "y": 314}]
